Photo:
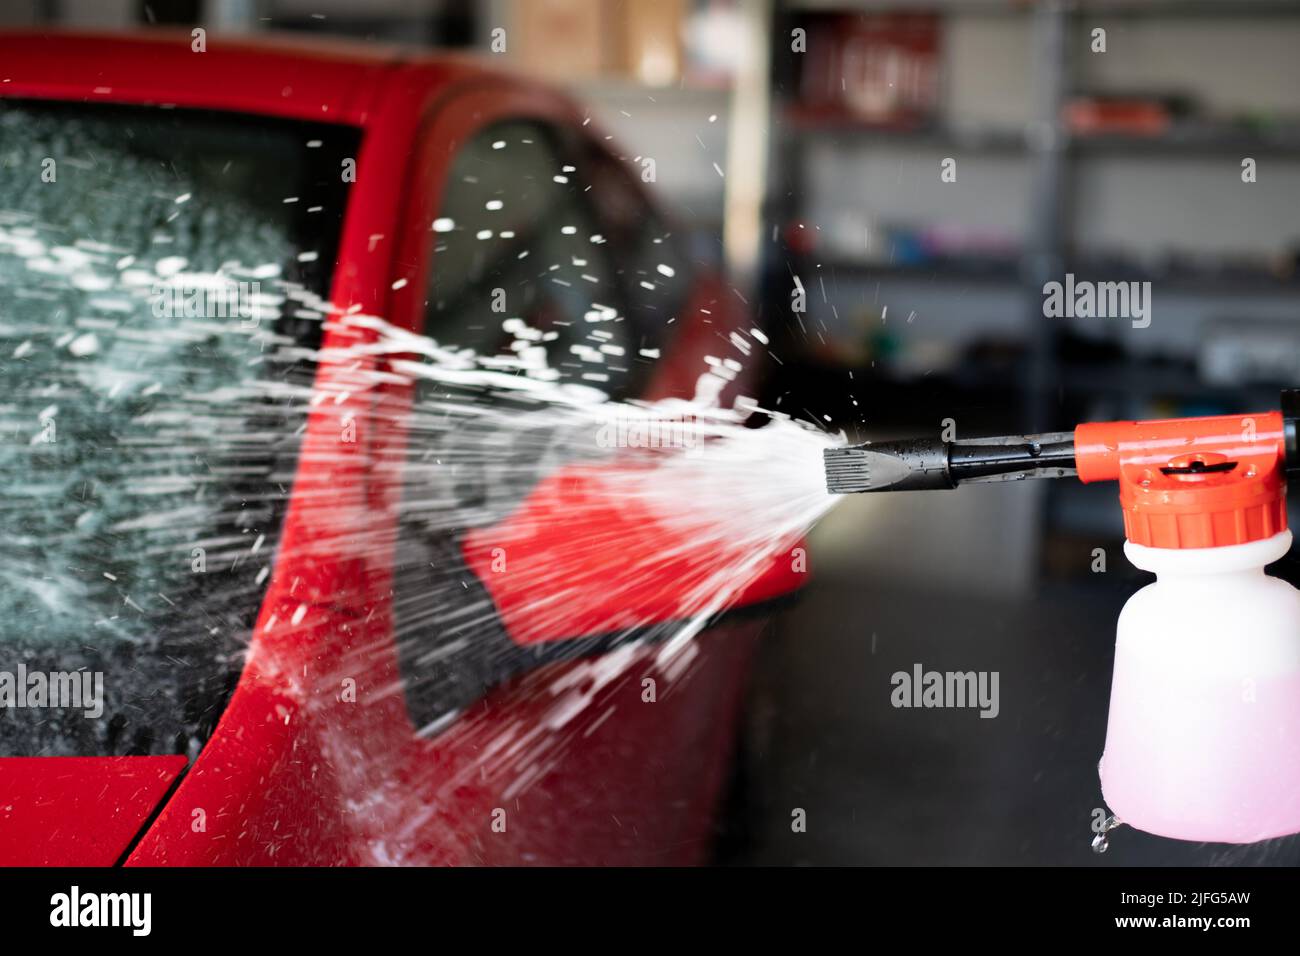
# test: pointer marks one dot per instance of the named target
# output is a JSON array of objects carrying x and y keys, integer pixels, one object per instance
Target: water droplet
[{"x": 1101, "y": 842}]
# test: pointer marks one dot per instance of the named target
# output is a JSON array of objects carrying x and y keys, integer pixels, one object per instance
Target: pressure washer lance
[{"x": 1203, "y": 739}]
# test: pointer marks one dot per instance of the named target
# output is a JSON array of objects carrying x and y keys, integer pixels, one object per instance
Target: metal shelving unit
[
  {"x": 1051, "y": 156},
  {"x": 1121, "y": 386}
]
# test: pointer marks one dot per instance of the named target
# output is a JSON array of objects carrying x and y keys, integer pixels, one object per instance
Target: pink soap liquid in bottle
[{"x": 1203, "y": 740}]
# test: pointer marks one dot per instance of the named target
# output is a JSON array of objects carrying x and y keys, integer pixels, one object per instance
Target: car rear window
[{"x": 162, "y": 277}]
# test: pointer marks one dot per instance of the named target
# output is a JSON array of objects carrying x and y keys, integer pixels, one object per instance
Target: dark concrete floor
[{"x": 881, "y": 785}]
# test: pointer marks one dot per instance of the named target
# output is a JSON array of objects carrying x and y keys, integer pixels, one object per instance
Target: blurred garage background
[{"x": 802, "y": 143}]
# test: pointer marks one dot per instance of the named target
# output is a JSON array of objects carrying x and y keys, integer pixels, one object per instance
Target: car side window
[
  {"x": 545, "y": 252},
  {"x": 654, "y": 275},
  {"x": 536, "y": 226}
]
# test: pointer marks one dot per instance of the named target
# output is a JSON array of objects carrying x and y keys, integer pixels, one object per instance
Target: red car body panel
[
  {"x": 78, "y": 811},
  {"x": 581, "y": 769},
  {"x": 588, "y": 594},
  {"x": 333, "y": 82}
]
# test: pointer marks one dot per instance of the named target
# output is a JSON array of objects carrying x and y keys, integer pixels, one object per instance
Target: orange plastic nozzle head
[{"x": 1191, "y": 482}]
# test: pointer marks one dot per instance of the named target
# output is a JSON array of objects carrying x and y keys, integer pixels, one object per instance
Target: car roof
[{"x": 272, "y": 74}]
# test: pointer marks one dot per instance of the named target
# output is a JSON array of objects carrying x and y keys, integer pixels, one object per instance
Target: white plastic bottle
[{"x": 1203, "y": 741}]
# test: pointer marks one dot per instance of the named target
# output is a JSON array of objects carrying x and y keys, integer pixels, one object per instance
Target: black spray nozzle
[
  {"x": 925, "y": 464},
  {"x": 919, "y": 464}
]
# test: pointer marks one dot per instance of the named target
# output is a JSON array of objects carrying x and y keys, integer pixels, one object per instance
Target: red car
[{"x": 295, "y": 668}]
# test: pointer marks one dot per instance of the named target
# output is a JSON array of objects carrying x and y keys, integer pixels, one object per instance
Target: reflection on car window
[{"x": 560, "y": 239}]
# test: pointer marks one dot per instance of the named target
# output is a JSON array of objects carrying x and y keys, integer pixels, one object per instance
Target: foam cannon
[{"x": 1203, "y": 739}]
